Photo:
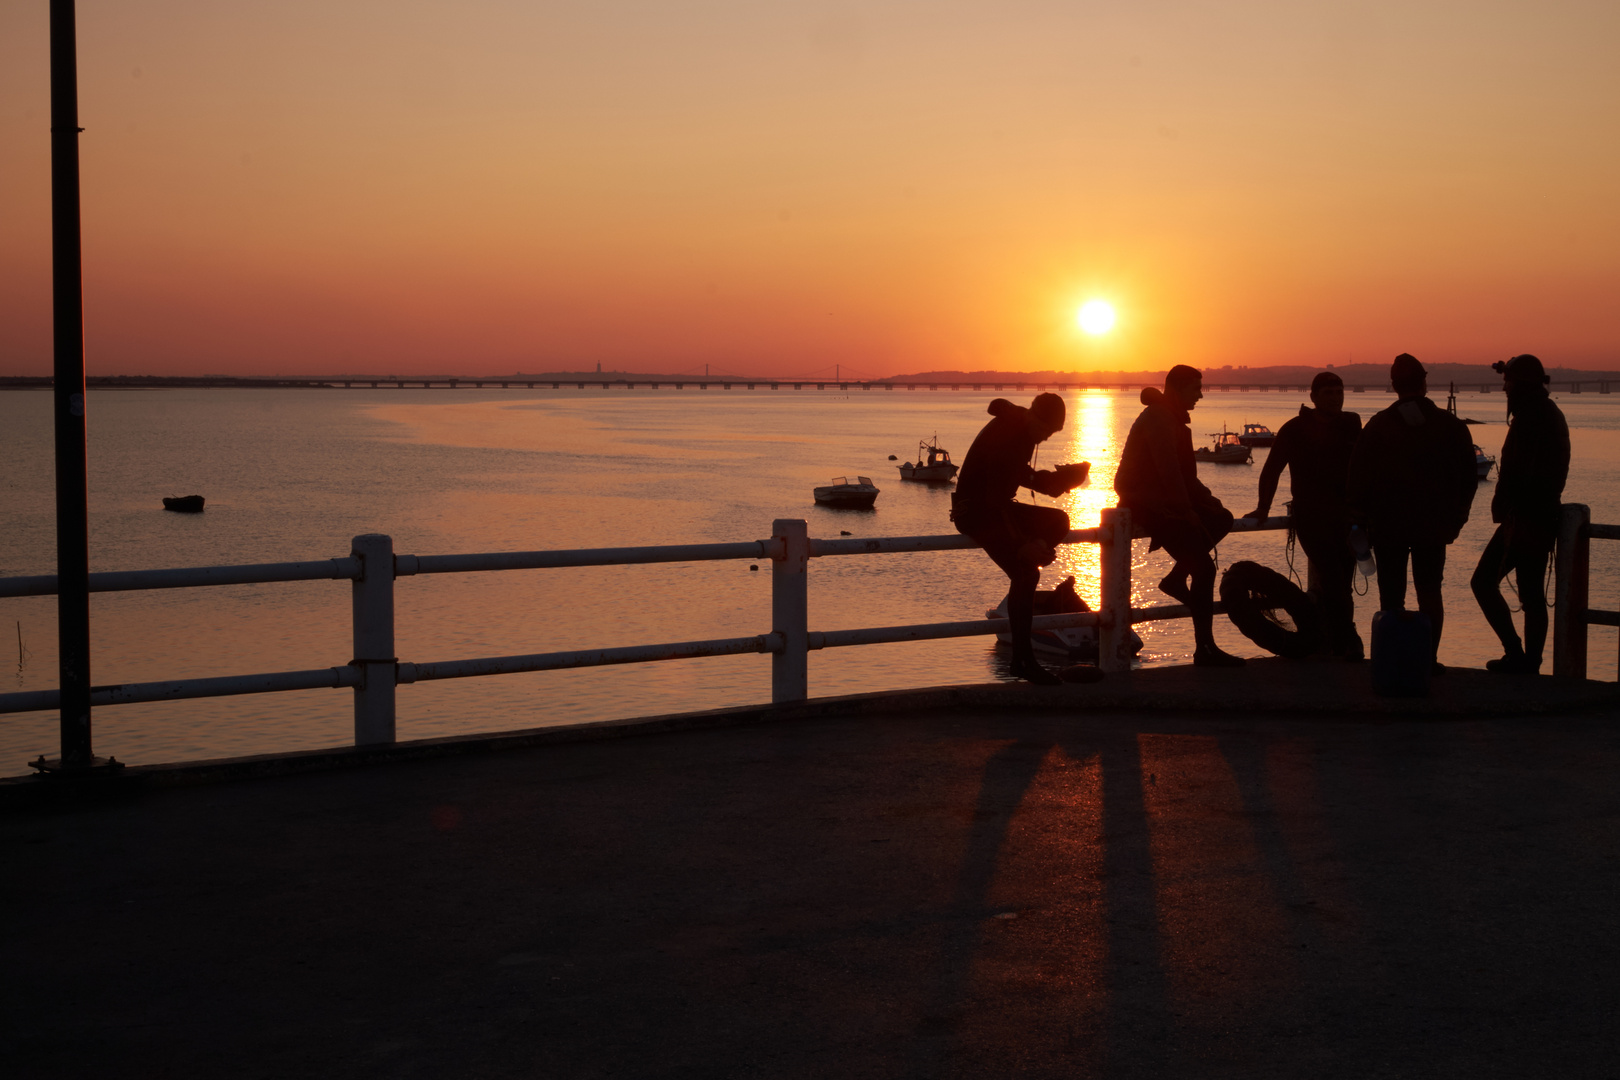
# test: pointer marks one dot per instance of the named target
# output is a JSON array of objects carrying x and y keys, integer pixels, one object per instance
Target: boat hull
[
  {"x": 1237, "y": 455},
  {"x": 928, "y": 474},
  {"x": 186, "y": 504},
  {"x": 846, "y": 501}
]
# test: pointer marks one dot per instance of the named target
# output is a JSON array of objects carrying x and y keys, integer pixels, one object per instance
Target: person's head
[
  {"x": 1327, "y": 392},
  {"x": 1523, "y": 373},
  {"x": 1524, "y": 379},
  {"x": 1046, "y": 415},
  {"x": 1408, "y": 376},
  {"x": 1185, "y": 385}
]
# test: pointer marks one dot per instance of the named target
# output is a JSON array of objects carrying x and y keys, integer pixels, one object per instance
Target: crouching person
[
  {"x": 1158, "y": 482},
  {"x": 1018, "y": 537}
]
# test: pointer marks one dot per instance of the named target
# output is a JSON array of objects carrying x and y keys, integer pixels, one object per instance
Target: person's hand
[{"x": 1072, "y": 476}]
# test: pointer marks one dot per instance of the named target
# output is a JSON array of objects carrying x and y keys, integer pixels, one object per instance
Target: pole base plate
[{"x": 99, "y": 766}]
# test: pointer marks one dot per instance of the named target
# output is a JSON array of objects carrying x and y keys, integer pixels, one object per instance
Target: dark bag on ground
[
  {"x": 1402, "y": 653},
  {"x": 1270, "y": 610}
]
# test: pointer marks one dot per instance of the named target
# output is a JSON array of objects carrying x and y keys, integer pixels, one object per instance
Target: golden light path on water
[{"x": 1090, "y": 435}]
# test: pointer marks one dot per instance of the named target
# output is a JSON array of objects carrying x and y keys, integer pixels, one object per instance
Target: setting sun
[{"x": 1096, "y": 317}]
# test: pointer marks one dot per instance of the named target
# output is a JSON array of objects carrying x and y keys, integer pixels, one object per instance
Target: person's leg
[
  {"x": 1391, "y": 557},
  {"x": 1045, "y": 525},
  {"x": 1530, "y": 570},
  {"x": 1494, "y": 564},
  {"x": 1428, "y": 572},
  {"x": 1334, "y": 564},
  {"x": 1014, "y": 551},
  {"x": 1194, "y": 565}
]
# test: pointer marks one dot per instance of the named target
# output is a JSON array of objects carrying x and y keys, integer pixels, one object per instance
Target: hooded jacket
[
  {"x": 1412, "y": 475},
  {"x": 1535, "y": 464},
  {"x": 997, "y": 464},
  {"x": 1157, "y": 471}
]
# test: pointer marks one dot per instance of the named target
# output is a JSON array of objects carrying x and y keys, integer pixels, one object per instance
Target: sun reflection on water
[{"x": 1090, "y": 436}]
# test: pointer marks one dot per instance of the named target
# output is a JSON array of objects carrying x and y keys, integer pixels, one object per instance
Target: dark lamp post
[{"x": 72, "y": 495}]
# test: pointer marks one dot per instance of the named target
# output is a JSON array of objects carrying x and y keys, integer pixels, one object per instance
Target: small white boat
[
  {"x": 1071, "y": 643},
  {"x": 841, "y": 493},
  {"x": 1482, "y": 464},
  {"x": 1257, "y": 435},
  {"x": 933, "y": 465}
]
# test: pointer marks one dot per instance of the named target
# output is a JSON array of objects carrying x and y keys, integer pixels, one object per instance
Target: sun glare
[{"x": 1096, "y": 317}]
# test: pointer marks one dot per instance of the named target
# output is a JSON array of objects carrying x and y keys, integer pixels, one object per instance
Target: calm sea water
[{"x": 295, "y": 474}]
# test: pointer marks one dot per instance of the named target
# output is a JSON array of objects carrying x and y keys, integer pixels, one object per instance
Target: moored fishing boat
[
  {"x": 1227, "y": 449},
  {"x": 933, "y": 464}
]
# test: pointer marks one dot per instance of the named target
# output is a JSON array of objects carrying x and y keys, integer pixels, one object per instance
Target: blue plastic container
[{"x": 1402, "y": 653}]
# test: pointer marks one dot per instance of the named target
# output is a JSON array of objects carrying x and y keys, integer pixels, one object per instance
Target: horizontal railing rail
[
  {"x": 193, "y": 577},
  {"x": 375, "y": 671}
]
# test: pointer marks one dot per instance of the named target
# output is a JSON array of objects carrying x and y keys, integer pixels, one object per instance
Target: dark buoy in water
[
  {"x": 186, "y": 504},
  {"x": 845, "y": 532},
  {"x": 893, "y": 458}
]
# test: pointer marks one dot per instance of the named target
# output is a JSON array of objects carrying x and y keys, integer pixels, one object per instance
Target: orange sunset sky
[{"x": 485, "y": 186}]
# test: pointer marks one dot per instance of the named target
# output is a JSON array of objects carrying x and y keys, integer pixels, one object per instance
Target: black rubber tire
[{"x": 1254, "y": 596}]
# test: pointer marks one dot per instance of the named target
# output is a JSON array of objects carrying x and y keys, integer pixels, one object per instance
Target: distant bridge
[{"x": 554, "y": 382}]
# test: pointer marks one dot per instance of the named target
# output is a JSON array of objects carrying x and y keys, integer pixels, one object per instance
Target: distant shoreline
[{"x": 1363, "y": 377}]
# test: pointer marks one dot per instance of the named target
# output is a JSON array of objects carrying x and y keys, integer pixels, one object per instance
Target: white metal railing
[
  {"x": 372, "y": 569},
  {"x": 1572, "y": 568}
]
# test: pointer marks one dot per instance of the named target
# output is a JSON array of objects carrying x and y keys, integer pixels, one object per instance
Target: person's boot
[
  {"x": 1214, "y": 656},
  {"x": 1026, "y": 667},
  {"x": 1515, "y": 662}
]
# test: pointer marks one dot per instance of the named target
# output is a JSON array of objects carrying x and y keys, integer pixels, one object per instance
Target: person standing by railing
[
  {"x": 1158, "y": 482},
  {"x": 1315, "y": 447},
  {"x": 1018, "y": 537},
  {"x": 1529, "y": 488},
  {"x": 1412, "y": 483}
]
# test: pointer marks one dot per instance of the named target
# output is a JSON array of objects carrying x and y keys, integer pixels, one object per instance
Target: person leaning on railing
[
  {"x": 1315, "y": 447},
  {"x": 1529, "y": 487},
  {"x": 1158, "y": 482},
  {"x": 1018, "y": 537}
]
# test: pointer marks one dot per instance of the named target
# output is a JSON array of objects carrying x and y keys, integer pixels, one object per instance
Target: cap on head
[
  {"x": 1049, "y": 409},
  {"x": 1406, "y": 371},
  {"x": 1524, "y": 368},
  {"x": 1325, "y": 380}
]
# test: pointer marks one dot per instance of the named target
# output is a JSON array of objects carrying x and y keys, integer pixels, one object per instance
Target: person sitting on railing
[
  {"x": 1412, "y": 482},
  {"x": 1018, "y": 537},
  {"x": 1315, "y": 447},
  {"x": 1158, "y": 482},
  {"x": 1529, "y": 483}
]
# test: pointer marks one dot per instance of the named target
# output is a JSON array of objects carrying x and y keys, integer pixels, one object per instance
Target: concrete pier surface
[{"x": 1088, "y": 881}]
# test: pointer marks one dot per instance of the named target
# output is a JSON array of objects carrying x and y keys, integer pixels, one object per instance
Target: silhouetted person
[
  {"x": 1412, "y": 482},
  {"x": 1529, "y": 482},
  {"x": 1018, "y": 537},
  {"x": 1315, "y": 447},
  {"x": 1158, "y": 482}
]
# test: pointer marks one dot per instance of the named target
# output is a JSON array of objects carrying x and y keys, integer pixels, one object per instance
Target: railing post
[
  {"x": 1114, "y": 613},
  {"x": 790, "y": 611},
  {"x": 373, "y": 595},
  {"x": 1572, "y": 569}
]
